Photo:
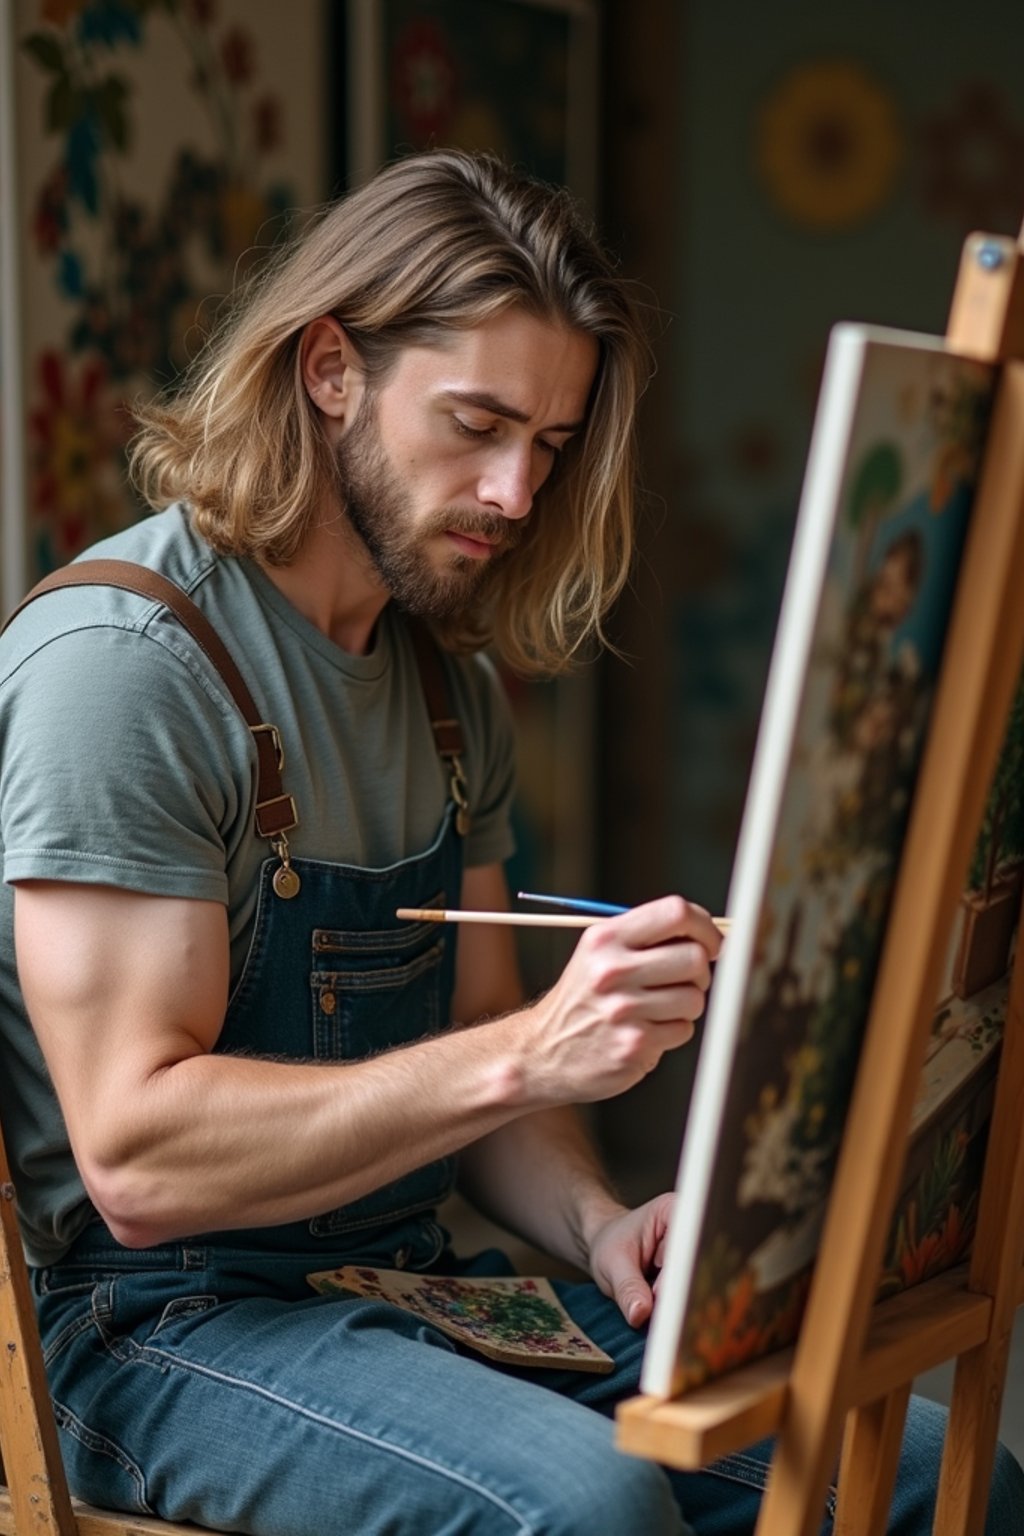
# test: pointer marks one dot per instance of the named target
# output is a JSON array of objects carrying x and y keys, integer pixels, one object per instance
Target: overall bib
[{"x": 333, "y": 976}]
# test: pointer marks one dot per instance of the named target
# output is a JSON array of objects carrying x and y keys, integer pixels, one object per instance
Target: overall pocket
[
  {"x": 373, "y": 990},
  {"x": 361, "y": 1009}
]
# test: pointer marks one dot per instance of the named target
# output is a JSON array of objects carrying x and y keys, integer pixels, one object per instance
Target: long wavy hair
[{"x": 434, "y": 243}]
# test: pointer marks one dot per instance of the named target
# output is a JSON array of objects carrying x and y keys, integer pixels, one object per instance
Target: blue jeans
[{"x": 205, "y": 1384}]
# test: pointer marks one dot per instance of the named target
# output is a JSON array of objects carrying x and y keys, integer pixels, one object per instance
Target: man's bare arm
[{"x": 172, "y": 1139}]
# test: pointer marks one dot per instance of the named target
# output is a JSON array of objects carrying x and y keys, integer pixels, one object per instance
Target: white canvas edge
[{"x": 812, "y": 541}]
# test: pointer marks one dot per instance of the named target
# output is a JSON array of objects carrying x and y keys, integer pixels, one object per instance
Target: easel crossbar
[{"x": 748, "y": 1404}]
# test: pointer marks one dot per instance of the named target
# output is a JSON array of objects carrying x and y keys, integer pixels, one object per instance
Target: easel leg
[
  {"x": 971, "y": 1439},
  {"x": 995, "y": 1270},
  {"x": 867, "y": 1472}
]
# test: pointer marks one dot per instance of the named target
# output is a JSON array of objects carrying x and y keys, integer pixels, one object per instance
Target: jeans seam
[
  {"x": 71, "y": 1288},
  {"x": 102, "y": 1312},
  {"x": 325, "y": 1226},
  {"x": 737, "y": 1468},
  {"x": 183, "y": 1307},
  {"x": 102, "y": 1445},
  {"x": 432, "y": 1465},
  {"x": 67, "y": 1336},
  {"x": 743, "y": 1469}
]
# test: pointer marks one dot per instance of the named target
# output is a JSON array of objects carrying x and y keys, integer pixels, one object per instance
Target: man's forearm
[
  {"x": 172, "y": 1137},
  {"x": 541, "y": 1177},
  {"x": 215, "y": 1142}
]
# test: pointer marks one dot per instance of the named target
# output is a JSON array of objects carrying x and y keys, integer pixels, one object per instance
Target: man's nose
[{"x": 507, "y": 486}]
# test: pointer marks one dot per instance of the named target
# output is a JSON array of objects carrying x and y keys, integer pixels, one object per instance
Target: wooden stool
[{"x": 34, "y": 1498}]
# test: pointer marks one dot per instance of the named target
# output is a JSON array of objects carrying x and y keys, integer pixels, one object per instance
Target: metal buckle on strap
[
  {"x": 275, "y": 741},
  {"x": 286, "y": 880},
  {"x": 276, "y": 826},
  {"x": 458, "y": 786},
  {"x": 447, "y": 736}
]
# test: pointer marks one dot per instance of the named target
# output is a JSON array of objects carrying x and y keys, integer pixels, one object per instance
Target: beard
[{"x": 378, "y": 507}]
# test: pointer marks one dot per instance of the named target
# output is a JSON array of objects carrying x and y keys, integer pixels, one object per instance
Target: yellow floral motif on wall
[{"x": 828, "y": 145}]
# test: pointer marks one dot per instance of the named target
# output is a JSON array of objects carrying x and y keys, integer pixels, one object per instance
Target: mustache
[{"x": 490, "y": 526}]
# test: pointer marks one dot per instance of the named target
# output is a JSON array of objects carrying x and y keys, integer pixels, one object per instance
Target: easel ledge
[
  {"x": 750, "y": 1403},
  {"x": 853, "y": 1363}
]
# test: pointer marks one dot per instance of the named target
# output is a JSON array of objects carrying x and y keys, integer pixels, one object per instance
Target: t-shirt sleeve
[
  {"x": 491, "y": 764},
  {"x": 120, "y": 766}
]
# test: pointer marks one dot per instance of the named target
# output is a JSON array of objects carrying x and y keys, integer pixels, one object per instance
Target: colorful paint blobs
[{"x": 519, "y": 1321}]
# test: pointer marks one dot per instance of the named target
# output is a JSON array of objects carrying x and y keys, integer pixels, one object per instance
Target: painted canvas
[
  {"x": 883, "y": 517},
  {"x": 936, "y": 1208}
]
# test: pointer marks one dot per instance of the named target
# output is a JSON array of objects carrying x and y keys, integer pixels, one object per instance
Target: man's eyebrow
[{"x": 486, "y": 402}]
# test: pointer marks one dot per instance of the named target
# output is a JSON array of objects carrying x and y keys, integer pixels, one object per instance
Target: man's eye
[{"x": 465, "y": 430}]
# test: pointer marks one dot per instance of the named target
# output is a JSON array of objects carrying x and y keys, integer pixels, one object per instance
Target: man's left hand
[{"x": 625, "y": 1252}]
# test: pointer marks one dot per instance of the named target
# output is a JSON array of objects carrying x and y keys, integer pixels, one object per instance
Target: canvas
[
  {"x": 883, "y": 518},
  {"x": 936, "y": 1208}
]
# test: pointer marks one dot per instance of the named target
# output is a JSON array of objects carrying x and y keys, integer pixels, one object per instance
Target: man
[{"x": 425, "y": 411}]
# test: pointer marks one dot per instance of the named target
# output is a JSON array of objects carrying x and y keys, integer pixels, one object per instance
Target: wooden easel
[{"x": 853, "y": 1362}]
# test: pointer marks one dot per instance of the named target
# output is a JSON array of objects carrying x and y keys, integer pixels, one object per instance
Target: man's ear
[{"x": 332, "y": 371}]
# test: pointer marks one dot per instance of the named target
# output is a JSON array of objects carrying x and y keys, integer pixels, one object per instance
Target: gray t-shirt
[{"x": 124, "y": 761}]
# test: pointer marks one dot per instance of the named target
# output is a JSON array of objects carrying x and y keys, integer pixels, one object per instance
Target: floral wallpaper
[{"x": 161, "y": 145}]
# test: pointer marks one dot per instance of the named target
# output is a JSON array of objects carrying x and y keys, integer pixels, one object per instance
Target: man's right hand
[{"x": 631, "y": 991}]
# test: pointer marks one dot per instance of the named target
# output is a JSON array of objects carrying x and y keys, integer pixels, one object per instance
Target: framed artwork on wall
[{"x": 451, "y": 72}]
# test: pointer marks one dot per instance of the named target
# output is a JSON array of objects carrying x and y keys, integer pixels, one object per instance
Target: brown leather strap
[
  {"x": 275, "y": 810},
  {"x": 446, "y": 728}
]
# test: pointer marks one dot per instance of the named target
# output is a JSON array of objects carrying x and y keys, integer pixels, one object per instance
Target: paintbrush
[{"x": 517, "y": 919}]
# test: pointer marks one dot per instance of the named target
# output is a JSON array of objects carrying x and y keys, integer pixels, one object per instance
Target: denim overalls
[{"x": 204, "y": 1380}]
